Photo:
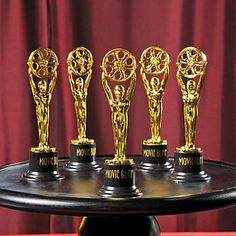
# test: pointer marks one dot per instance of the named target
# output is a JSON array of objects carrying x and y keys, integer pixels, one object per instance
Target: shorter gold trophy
[
  {"x": 43, "y": 163},
  {"x": 82, "y": 149},
  {"x": 118, "y": 68},
  {"x": 191, "y": 64},
  {"x": 154, "y": 74}
]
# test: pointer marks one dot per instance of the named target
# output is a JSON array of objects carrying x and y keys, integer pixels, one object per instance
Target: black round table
[{"x": 77, "y": 195}]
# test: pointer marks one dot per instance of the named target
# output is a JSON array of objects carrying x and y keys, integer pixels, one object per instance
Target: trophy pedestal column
[
  {"x": 82, "y": 158},
  {"x": 120, "y": 225},
  {"x": 43, "y": 166},
  {"x": 119, "y": 181},
  {"x": 189, "y": 167},
  {"x": 155, "y": 158}
]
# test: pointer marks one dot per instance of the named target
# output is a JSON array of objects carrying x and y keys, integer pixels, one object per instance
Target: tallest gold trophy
[
  {"x": 118, "y": 80},
  {"x": 191, "y": 63}
]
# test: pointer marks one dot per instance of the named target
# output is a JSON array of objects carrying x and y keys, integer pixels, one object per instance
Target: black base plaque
[
  {"x": 155, "y": 158},
  {"x": 43, "y": 166},
  {"x": 119, "y": 182},
  {"x": 189, "y": 167},
  {"x": 82, "y": 158}
]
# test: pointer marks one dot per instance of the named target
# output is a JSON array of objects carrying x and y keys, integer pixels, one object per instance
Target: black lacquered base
[
  {"x": 189, "y": 167},
  {"x": 150, "y": 167},
  {"x": 117, "y": 226},
  {"x": 82, "y": 158},
  {"x": 155, "y": 158},
  {"x": 41, "y": 176},
  {"x": 43, "y": 166},
  {"x": 80, "y": 167},
  {"x": 119, "y": 192},
  {"x": 119, "y": 182},
  {"x": 190, "y": 177}
]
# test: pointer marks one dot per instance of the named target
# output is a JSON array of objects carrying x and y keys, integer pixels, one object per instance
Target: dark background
[{"x": 101, "y": 26}]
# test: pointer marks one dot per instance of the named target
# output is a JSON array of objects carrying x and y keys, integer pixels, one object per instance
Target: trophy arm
[
  {"x": 200, "y": 82},
  {"x": 180, "y": 82},
  {"x": 33, "y": 88},
  {"x": 107, "y": 89},
  {"x": 164, "y": 80},
  {"x": 144, "y": 79},
  {"x": 32, "y": 84},
  {"x": 71, "y": 81},
  {"x": 88, "y": 79},
  {"x": 52, "y": 83},
  {"x": 131, "y": 87}
]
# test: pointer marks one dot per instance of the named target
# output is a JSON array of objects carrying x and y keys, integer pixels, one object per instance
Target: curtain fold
[{"x": 101, "y": 26}]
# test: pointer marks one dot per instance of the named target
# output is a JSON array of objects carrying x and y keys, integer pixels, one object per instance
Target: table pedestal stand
[{"x": 119, "y": 226}]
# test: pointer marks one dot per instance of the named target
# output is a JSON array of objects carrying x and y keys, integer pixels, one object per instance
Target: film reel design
[
  {"x": 43, "y": 62},
  {"x": 154, "y": 60},
  {"x": 80, "y": 61},
  {"x": 191, "y": 62},
  {"x": 119, "y": 65}
]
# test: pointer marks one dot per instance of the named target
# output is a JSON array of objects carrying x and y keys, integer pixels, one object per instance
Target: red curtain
[{"x": 101, "y": 26}]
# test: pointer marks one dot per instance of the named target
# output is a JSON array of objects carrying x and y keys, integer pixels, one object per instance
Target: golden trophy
[
  {"x": 42, "y": 72},
  {"x": 118, "y": 70},
  {"x": 154, "y": 73},
  {"x": 191, "y": 63},
  {"x": 82, "y": 149}
]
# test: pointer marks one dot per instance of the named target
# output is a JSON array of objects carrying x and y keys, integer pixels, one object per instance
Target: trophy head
[
  {"x": 42, "y": 86},
  {"x": 191, "y": 86},
  {"x": 155, "y": 83},
  {"x": 79, "y": 83},
  {"x": 154, "y": 60},
  {"x": 43, "y": 63},
  {"x": 191, "y": 62},
  {"x": 80, "y": 61},
  {"x": 119, "y": 92},
  {"x": 119, "y": 65}
]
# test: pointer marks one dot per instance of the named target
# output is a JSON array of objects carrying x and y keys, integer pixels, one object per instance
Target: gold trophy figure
[
  {"x": 118, "y": 68},
  {"x": 83, "y": 150},
  {"x": 42, "y": 64},
  {"x": 119, "y": 105},
  {"x": 154, "y": 73},
  {"x": 191, "y": 64}
]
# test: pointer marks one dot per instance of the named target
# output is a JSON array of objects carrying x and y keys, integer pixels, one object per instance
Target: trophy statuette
[
  {"x": 154, "y": 73},
  {"x": 118, "y": 67},
  {"x": 43, "y": 163},
  {"x": 82, "y": 149},
  {"x": 191, "y": 63}
]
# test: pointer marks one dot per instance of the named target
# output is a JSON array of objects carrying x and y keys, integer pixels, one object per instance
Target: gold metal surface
[
  {"x": 119, "y": 65},
  {"x": 80, "y": 61},
  {"x": 122, "y": 65},
  {"x": 154, "y": 62},
  {"x": 42, "y": 64},
  {"x": 191, "y": 64}
]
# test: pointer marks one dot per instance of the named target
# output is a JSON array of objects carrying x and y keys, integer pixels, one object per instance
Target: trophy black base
[
  {"x": 82, "y": 158},
  {"x": 43, "y": 166},
  {"x": 189, "y": 167},
  {"x": 120, "y": 225},
  {"x": 119, "y": 182},
  {"x": 155, "y": 158},
  {"x": 190, "y": 177},
  {"x": 80, "y": 167},
  {"x": 41, "y": 176},
  {"x": 150, "y": 167}
]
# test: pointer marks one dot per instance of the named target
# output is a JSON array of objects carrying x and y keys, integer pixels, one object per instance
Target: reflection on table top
[{"x": 77, "y": 193}]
